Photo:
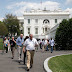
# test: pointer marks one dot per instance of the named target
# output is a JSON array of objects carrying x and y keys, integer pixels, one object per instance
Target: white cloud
[
  {"x": 70, "y": 11},
  {"x": 1, "y": 19},
  {"x": 19, "y": 8},
  {"x": 68, "y": 1}
]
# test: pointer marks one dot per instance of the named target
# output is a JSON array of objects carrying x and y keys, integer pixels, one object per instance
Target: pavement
[{"x": 11, "y": 65}]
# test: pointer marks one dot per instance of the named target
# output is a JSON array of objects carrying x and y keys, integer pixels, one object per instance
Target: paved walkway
[{"x": 9, "y": 65}]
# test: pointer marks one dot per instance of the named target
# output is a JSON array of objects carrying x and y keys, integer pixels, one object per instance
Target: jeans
[
  {"x": 9, "y": 48},
  {"x": 51, "y": 48},
  {"x": 47, "y": 48}
]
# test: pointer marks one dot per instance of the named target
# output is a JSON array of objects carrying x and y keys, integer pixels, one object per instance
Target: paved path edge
[{"x": 45, "y": 65}]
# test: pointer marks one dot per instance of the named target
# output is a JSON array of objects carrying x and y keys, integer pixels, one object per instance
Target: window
[
  {"x": 28, "y": 21},
  {"x": 36, "y": 20},
  {"x": 55, "y": 20},
  {"x": 36, "y": 30},
  {"x": 28, "y": 30},
  {"x": 43, "y": 30}
]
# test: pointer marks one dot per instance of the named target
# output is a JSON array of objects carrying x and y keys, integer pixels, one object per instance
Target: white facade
[{"x": 40, "y": 22}]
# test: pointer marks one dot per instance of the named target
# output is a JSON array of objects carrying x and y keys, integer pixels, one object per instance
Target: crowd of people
[{"x": 27, "y": 45}]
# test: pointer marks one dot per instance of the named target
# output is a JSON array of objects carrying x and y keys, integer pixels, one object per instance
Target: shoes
[
  {"x": 27, "y": 69},
  {"x": 31, "y": 66},
  {"x": 19, "y": 61},
  {"x": 12, "y": 58}
]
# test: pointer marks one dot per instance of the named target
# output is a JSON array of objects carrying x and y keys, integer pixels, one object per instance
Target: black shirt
[{"x": 12, "y": 43}]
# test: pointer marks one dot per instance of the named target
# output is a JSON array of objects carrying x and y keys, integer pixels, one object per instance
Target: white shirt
[
  {"x": 30, "y": 44},
  {"x": 51, "y": 42},
  {"x": 6, "y": 43},
  {"x": 44, "y": 42}
]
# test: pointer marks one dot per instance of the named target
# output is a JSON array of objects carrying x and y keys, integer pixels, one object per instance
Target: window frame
[
  {"x": 36, "y": 30},
  {"x": 55, "y": 20},
  {"x": 28, "y": 21}
]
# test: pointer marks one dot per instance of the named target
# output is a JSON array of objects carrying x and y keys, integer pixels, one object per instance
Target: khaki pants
[
  {"x": 44, "y": 47},
  {"x": 13, "y": 49},
  {"x": 19, "y": 52},
  {"x": 30, "y": 55}
]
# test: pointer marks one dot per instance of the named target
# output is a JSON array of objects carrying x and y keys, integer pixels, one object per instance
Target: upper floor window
[
  {"x": 55, "y": 20},
  {"x": 28, "y": 21},
  {"x": 36, "y": 20}
]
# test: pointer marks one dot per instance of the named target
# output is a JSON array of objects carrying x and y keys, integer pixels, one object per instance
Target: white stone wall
[{"x": 41, "y": 16}]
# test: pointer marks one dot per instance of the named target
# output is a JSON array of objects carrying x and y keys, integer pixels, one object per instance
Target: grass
[
  {"x": 61, "y": 63},
  {"x": 1, "y": 43}
]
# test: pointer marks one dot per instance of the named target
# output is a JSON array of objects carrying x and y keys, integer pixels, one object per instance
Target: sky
[{"x": 17, "y": 7}]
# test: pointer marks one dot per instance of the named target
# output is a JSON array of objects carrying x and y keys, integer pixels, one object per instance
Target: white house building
[{"x": 43, "y": 23}]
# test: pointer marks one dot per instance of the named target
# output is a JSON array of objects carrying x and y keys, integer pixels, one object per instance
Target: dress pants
[
  {"x": 13, "y": 49},
  {"x": 24, "y": 57}
]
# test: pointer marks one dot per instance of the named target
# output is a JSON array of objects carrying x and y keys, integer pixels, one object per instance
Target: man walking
[
  {"x": 12, "y": 43},
  {"x": 51, "y": 42},
  {"x": 19, "y": 42},
  {"x": 30, "y": 45}
]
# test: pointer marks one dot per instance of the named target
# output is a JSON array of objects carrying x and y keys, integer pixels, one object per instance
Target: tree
[
  {"x": 63, "y": 35},
  {"x": 12, "y": 24},
  {"x": 3, "y": 29}
]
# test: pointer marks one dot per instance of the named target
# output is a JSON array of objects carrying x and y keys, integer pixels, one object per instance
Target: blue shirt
[
  {"x": 19, "y": 41},
  {"x": 51, "y": 42}
]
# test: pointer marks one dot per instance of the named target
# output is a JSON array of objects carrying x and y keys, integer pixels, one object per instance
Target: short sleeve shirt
[{"x": 30, "y": 44}]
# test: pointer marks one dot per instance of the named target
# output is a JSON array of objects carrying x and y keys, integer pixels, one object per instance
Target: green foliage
[
  {"x": 1, "y": 43},
  {"x": 12, "y": 24},
  {"x": 61, "y": 63},
  {"x": 3, "y": 29},
  {"x": 63, "y": 35}
]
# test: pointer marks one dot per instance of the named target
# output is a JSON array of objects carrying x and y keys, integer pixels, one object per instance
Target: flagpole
[{"x": 41, "y": 4}]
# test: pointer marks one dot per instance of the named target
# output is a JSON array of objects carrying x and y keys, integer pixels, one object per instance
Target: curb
[{"x": 46, "y": 67}]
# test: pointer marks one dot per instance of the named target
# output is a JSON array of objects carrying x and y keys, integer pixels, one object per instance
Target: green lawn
[
  {"x": 1, "y": 43},
  {"x": 61, "y": 63}
]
